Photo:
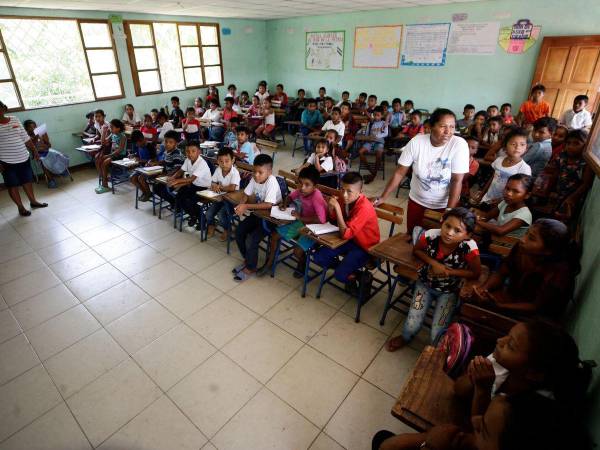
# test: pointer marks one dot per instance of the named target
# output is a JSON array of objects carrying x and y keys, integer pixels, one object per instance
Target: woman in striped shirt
[{"x": 14, "y": 160}]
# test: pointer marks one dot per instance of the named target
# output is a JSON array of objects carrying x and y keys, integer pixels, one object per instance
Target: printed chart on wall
[
  {"x": 425, "y": 45},
  {"x": 324, "y": 50},
  {"x": 519, "y": 37},
  {"x": 473, "y": 38},
  {"x": 377, "y": 47}
]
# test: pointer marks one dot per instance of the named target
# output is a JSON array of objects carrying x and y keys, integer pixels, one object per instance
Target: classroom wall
[
  {"x": 243, "y": 48},
  {"x": 586, "y": 314},
  {"x": 481, "y": 80}
]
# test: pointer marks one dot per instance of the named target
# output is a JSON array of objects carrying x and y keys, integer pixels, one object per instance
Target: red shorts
[{"x": 415, "y": 214}]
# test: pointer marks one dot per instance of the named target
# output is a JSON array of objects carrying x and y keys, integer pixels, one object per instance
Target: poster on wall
[
  {"x": 425, "y": 45},
  {"x": 473, "y": 38},
  {"x": 377, "y": 47},
  {"x": 519, "y": 37},
  {"x": 324, "y": 50}
]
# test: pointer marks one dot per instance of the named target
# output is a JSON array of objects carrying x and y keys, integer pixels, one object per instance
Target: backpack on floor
[{"x": 456, "y": 343}]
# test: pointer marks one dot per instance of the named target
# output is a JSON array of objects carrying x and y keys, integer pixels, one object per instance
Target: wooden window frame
[
  {"x": 78, "y": 21},
  {"x": 12, "y": 78},
  {"x": 133, "y": 62}
]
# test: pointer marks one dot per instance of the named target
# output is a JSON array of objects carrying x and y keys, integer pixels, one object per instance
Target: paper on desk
[
  {"x": 41, "y": 130},
  {"x": 208, "y": 193},
  {"x": 151, "y": 169},
  {"x": 322, "y": 228},
  {"x": 91, "y": 147},
  {"x": 89, "y": 139},
  {"x": 276, "y": 213}
]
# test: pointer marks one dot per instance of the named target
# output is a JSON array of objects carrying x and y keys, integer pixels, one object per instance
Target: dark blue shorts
[{"x": 17, "y": 174}]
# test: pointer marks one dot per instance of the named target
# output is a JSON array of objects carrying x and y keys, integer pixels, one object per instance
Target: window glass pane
[
  {"x": 145, "y": 58},
  {"x": 211, "y": 55},
  {"x": 191, "y": 56},
  {"x": 101, "y": 61},
  {"x": 188, "y": 35},
  {"x": 4, "y": 72},
  {"x": 193, "y": 76},
  {"x": 107, "y": 85},
  {"x": 96, "y": 35},
  {"x": 208, "y": 35},
  {"x": 8, "y": 94},
  {"x": 49, "y": 65},
  {"x": 149, "y": 81},
  {"x": 213, "y": 75},
  {"x": 169, "y": 57},
  {"x": 140, "y": 35}
]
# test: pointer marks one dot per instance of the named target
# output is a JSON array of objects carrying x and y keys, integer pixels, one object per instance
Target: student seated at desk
[
  {"x": 491, "y": 133},
  {"x": 265, "y": 129},
  {"x": 540, "y": 151},
  {"x": 262, "y": 193},
  {"x": 312, "y": 121},
  {"x": 243, "y": 101},
  {"x": 212, "y": 93},
  {"x": 360, "y": 104},
  {"x": 450, "y": 255},
  {"x": 321, "y": 159},
  {"x": 246, "y": 151},
  {"x": 228, "y": 111},
  {"x": 357, "y": 221},
  {"x": 118, "y": 142},
  {"x": 177, "y": 114},
  {"x": 164, "y": 125},
  {"x": 468, "y": 114},
  {"x": 327, "y": 108},
  {"x": 371, "y": 105},
  {"x": 351, "y": 127},
  {"x": 378, "y": 130},
  {"x": 225, "y": 179},
  {"x": 154, "y": 115},
  {"x": 230, "y": 137},
  {"x": 469, "y": 177},
  {"x": 171, "y": 157},
  {"x": 262, "y": 92},
  {"x": 90, "y": 129},
  {"x": 335, "y": 123},
  {"x": 191, "y": 125},
  {"x": 506, "y": 114},
  {"x": 192, "y": 177},
  {"x": 102, "y": 136},
  {"x": 345, "y": 99},
  {"x": 537, "y": 277},
  {"x": 335, "y": 150},
  {"x": 280, "y": 96},
  {"x": 131, "y": 117},
  {"x": 199, "y": 107},
  {"x": 53, "y": 162},
  {"x": 216, "y": 129},
  {"x": 254, "y": 118},
  {"x": 395, "y": 118},
  {"x": 411, "y": 129},
  {"x": 148, "y": 129},
  {"x": 231, "y": 93},
  {"x": 321, "y": 98},
  {"x": 145, "y": 155},
  {"x": 298, "y": 105}
]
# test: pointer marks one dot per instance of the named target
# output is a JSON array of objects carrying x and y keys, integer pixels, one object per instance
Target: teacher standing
[
  {"x": 439, "y": 161},
  {"x": 14, "y": 161}
]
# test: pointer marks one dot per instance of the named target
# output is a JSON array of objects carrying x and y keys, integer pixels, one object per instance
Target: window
[
  {"x": 169, "y": 56},
  {"x": 61, "y": 62}
]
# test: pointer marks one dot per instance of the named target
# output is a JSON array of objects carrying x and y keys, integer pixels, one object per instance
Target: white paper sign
[
  {"x": 41, "y": 130},
  {"x": 424, "y": 45},
  {"x": 324, "y": 50},
  {"x": 473, "y": 38}
]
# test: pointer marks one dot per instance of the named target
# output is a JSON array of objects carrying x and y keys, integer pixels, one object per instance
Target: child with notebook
[
  {"x": 171, "y": 157},
  {"x": 145, "y": 155}
]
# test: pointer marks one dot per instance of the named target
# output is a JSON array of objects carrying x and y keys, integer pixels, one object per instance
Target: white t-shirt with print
[
  {"x": 433, "y": 168},
  {"x": 339, "y": 127},
  {"x": 233, "y": 177},
  {"x": 501, "y": 176},
  {"x": 199, "y": 169},
  {"x": 267, "y": 192},
  {"x": 326, "y": 163}
]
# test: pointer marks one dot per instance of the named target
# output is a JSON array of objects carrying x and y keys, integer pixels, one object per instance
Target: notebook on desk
[
  {"x": 286, "y": 214},
  {"x": 209, "y": 193},
  {"x": 322, "y": 228}
]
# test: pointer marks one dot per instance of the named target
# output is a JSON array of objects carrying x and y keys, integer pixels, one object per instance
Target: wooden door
[{"x": 568, "y": 66}]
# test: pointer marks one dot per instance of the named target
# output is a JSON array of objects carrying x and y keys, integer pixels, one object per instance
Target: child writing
[
  {"x": 578, "y": 118},
  {"x": 357, "y": 222},
  {"x": 539, "y": 152},
  {"x": 378, "y": 130},
  {"x": 261, "y": 193},
  {"x": 145, "y": 155},
  {"x": 246, "y": 150},
  {"x": 130, "y": 117},
  {"x": 449, "y": 255},
  {"x": 515, "y": 145},
  {"x": 321, "y": 159},
  {"x": 225, "y": 179},
  {"x": 118, "y": 141},
  {"x": 191, "y": 125},
  {"x": 265, "y": 130},
  {"x": 534, "y": 108}
]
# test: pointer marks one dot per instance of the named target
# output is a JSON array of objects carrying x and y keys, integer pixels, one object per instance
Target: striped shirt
[{"x": 12, "y": 142}]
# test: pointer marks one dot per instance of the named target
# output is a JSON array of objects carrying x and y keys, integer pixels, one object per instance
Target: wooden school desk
[
  {"x": 427, "y": 397},
  {"x": 119, "y": 172}
]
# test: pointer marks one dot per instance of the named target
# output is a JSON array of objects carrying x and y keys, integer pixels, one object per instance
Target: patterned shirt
[
  {"x": 570, "y": 174},
  {"x": 459, "y": 258}
]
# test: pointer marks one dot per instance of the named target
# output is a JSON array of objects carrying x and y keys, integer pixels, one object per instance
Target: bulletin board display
[
  {"x": 377, "y": 47},
  {"x": 324, "y": 50}
]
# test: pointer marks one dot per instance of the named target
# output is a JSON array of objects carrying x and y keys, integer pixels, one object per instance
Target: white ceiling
[{"x": 245, "y": 9}]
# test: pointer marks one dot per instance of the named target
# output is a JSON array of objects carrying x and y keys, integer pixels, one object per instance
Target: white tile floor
[{"x": 118, "y": 332}]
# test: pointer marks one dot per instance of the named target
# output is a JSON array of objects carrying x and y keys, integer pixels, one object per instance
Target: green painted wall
[
  {"x": 481, "y": 80},
  {"x": 244, "y": 62}
]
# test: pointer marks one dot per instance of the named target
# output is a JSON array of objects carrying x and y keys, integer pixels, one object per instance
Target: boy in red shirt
[
  {"x": 358, "y": 223},
  {"x": 534, "y": 108}
]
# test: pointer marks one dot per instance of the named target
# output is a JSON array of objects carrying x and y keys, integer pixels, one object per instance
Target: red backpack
[{"x": 456, "y": 343}]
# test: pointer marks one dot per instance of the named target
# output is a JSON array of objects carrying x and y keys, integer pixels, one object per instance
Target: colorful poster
[
  {"x": 377, "y": 47},
  {"x": 473, "y": 38},
  {"x": 519, "y": 37},
  {"x": 425, "y": 45},
  {"x": 324, "y": 50}
]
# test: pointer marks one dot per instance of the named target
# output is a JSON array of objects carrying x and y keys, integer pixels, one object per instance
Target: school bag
[{"x": 456, "y": 342}]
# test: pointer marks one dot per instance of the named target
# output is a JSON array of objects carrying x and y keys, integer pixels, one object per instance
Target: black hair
[
  {"x": 492, "y": 106},
  {"x": 147, "y": 116},
  {"x": 199, "y": 99},
  {"x": 2, "y": 105},
  {"x": 415, "y": 113},
  {"x": 335, "y": 108},
  {"x": 580, "y": 135},
  {"x": 481, "y": 113},
  {"x": 372, "y": 96},
  {"x": 514, "y": 132},
  {"x": 526, "y": 180},
  {"x": 538, "y": 87},
  {"x": 256, "y": 97},
  {"x": 469, "y": 106},
  {"x": 235, "y": 119},
  {"x": 547, "y": 122},
  {"x": 396, "y": 100},
  {"x": 323, "y": 142},
  {"x": 172, "y": 134},
  {"x": 437, "y": 115},
  {"x": 384, "y": 103},
  {"x": 427, "y": 122},
  {"x": 466, "y": 216},
  {"x": 89, "y": 115},
  {"x": 193, "y": 143},
  {"x": 310, "y": 173},
  {"x": 378, "y": 109},
  {"x": 280, "y": 85},
  {"x": 322, "y": 88},
  {"x": 244, "y": 93},
  {"x": 555, "y": 235},
  {"x": 301, "y": 90},
  {"x": 263, "y": 160},
  {"x": 496, "y": 119},
  {"x": 262, "y": 83},
  {"x": 352, "y": 178},
  {"x": 345, "y": 104},
  {"x": 334, "y": 131},
  {"x": 363, "y": 94},
  {"x": 231, "y": 86},
  {"x": 471, "y": 138},
  {"x": 328, "y": 98},
  {"x": 175, "y": 98},
  {"x": 242, "y": 129},
  {"x": 225, "y": 151},
  {"x": 345, "y": 92},
  {"x": 137, "y": 136},
  {"x": 409, "y": 101},
  {"x": 100, "y": 111},
  {"x": 27, "y": 123},
  {"x": 154, "y": 110},
  {"x": 162, "y": 115},
  {"x": 129, "y": 104},
  {"x": 190, "y": 109},
  {"x": 506, "y": 104},
  {"x": 215, "y": 101},
  {"x": 583, "y": 97},
  {"x": 311, "y": 101},
  {"x": 229, "y": 99},
  {"x": 118, "y": 124}
]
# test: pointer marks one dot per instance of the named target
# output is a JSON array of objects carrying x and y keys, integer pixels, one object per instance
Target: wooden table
[
  {"x": 331, "y": 240},
  {"x": 427, "y": 397},
  {"x": 365, "y": 138},
  {"x": 399, "y": 252}
]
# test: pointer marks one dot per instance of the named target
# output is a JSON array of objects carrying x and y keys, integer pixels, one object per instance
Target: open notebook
[
  {"x": 322, "y": 228},
  {"x": 276, "y": 213}
]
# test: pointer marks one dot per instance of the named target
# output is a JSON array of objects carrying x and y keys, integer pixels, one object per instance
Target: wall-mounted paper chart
[
  {"x": 377, "y": 47},
  {"x": 424, "y": 45},
  {"x": 473, "y": 38},
  {"x": 324, "y": 50}
]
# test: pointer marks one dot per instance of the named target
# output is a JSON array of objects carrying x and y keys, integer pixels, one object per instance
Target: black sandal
[
  {"x": 38, "y": 205},
  {"x": 24, "y": 212}
]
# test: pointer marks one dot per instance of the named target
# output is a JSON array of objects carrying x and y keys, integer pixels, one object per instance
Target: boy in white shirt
[
  {"x": 192, "y": 177},
  {"x": 225, "y": 179},
  {"x": 261, "y": 194},
  {"x": 163, "y": 125},
  {"x": 578, "y": 118},
  {"x": 216, "y": 131},
  {"x": 345, "y": 98},
  {"x": 335, "y": 123}
]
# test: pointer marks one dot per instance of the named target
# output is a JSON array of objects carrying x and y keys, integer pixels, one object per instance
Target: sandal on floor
[
  {"x": 243, "y": 276},
  {"x": 395, "y": 343},
  {"x": 38, "y": 205},
  {"x": 24, "y": 212},
  {"x": 238, "y": 268}
]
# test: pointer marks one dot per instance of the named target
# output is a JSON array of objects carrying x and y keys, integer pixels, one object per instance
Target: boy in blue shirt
[
  {"x": 540, "y": 151},
  {"x": 245, "y": 150},
  {"x": 312, "y": 120},
  {"x": 145, "y": 155},
  {"x": 378, "y": 130}
]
